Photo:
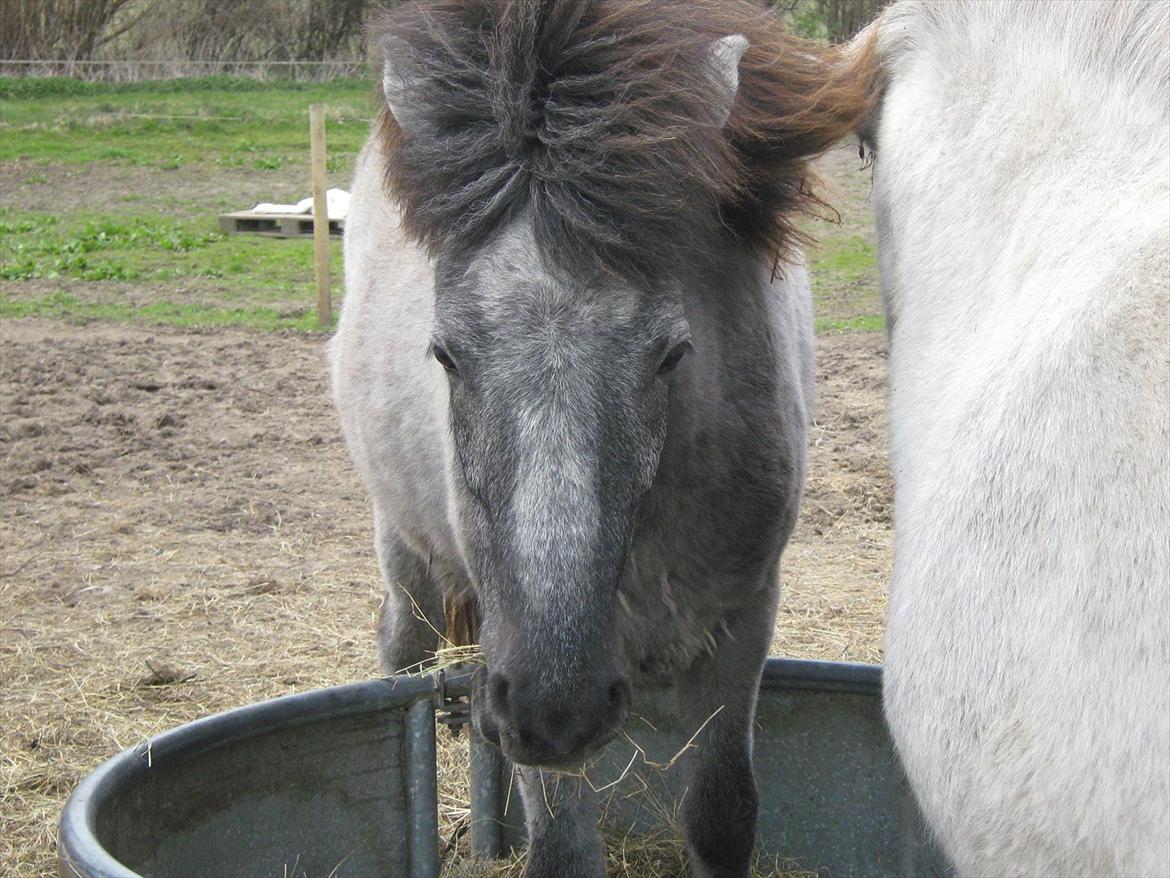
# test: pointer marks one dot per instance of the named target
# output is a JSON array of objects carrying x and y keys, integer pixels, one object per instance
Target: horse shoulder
[{"x": 391, "y": 396}]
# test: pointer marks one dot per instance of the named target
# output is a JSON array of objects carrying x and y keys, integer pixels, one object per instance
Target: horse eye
[
  {"x": 444, "y": 359},
  {"x": 676, "y": 354}
]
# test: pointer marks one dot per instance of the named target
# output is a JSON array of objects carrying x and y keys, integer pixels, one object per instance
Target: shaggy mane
[{"x": 601, "y": 118}]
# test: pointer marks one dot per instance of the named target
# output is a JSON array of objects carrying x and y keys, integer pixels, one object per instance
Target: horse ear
[
  {"x": 860, "y": 61},
  {"x": 399, "y": 80},
  {"x": 725, "y": 55}
]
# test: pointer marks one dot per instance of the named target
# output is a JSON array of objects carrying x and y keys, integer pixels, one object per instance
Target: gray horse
[{"x": 576, "y": 378}]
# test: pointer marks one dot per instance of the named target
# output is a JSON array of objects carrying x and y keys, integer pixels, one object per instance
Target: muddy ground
[{"x": 182, "y": 533}]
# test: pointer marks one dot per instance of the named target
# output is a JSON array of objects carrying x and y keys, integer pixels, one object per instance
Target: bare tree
[
  {"x": 844, "y": 18},
  {"x": 284, "y": 30},
  {"x": 55, "y": 29},
  {"x": 330, "y": 27},
  {"x": 163, "y": 36}
]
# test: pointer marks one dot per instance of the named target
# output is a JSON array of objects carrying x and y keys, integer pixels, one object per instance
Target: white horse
[{"x": 1022, "y": 194}]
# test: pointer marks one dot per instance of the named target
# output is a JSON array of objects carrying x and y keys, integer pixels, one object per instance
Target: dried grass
[
  {"x": 659, "y": 854},
  {"x": 80, "y": 683}
]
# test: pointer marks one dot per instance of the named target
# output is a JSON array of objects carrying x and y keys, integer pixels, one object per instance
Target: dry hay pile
[{"x": 182, "y": 534}]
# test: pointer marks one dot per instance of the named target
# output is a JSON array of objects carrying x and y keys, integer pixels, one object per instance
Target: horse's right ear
[
  {"x": 725, "y": 56},
  {"x": 400, "y": 81}
]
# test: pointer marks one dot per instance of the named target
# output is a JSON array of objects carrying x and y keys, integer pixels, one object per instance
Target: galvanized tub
[{"x": 342, "y": 781}]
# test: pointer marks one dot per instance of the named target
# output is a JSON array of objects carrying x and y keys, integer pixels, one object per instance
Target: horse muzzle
[{"x": 545, "y": 733}]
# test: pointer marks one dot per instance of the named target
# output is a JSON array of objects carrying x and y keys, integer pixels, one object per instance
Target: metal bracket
[{"x": 452, "y": 710}]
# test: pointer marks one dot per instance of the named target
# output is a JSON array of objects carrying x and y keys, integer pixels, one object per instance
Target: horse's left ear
[
  {"x": 399, "y": 81},
  {"x": 725, "y": 55}
]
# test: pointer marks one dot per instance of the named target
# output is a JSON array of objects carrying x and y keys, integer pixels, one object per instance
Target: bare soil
[
  {"x": 182, "y": 533},
  {"x": 106, "y": 187}
]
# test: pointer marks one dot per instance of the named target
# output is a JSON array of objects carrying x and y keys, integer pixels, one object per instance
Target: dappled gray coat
[{"x": 575, "y": 378}]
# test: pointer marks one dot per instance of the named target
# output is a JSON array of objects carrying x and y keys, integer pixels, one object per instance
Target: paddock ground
[{"x": 182, "y": 532}]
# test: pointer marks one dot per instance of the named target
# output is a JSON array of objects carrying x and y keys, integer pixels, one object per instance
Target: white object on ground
[{"x": 336, "y": 205}]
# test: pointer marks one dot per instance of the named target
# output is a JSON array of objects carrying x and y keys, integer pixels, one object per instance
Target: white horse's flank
[{"x": 1022, "y": 192}]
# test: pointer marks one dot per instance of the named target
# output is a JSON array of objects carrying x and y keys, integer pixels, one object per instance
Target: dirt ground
[
  {"x": 182, "y": 533},
  {"x": 103, "y": 186}
]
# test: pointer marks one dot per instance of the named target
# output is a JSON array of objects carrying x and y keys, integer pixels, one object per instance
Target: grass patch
[
  {"x": 247, "y": 270},
  {"x": 215, "y": 120},
  {"x": 845, "y": 259},
  {"x": 27, "y": 87},
  {"x": 42, "y": 247},
  {"x": 223, "y": 128},
  {"x": 62, "y": 306},
  {"x": 864, "y": 323},
  {"x": 844, "y": 277}
]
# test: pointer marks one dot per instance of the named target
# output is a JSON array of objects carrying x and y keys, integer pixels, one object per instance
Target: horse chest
[{"x": 667, "y": 620}]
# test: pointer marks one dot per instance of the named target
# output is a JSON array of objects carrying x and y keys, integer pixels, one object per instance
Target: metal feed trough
[{"x": 345, "y": 778}]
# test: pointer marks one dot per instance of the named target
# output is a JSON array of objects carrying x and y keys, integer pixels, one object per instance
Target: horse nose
[{"x": 542, "y": 724}]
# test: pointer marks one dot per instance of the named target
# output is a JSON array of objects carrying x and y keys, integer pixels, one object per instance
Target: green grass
[
  {"x": 238, "y": 280},
  {"x": 62, "y": 306},
  {"x": 156, "y": 255},
  {"x": 153, "y": 253},
  {"x": 843, "y": 273},
  {"x": 154, "y": 247},
  {"x": 212, "y": 121},
  {"x": 862, "y": 323},
  {"x": 15, "y": 87},
  {"x": 845, "y": 259},
  {"x": 43, "y": 246}
]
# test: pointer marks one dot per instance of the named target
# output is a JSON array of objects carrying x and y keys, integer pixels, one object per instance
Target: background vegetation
[
  {"x": 160, "y": 37},
  {"x": 111, "y": 193},
  {"x": 112, "y": 179}
]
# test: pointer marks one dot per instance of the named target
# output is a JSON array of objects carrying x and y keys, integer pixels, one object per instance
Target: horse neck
[
  {"x": 1035, "y": 137},
  {"x": 1015, "y": 177}
]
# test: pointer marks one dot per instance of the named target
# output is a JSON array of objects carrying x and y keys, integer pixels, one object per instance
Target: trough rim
[
  {"x": 79, "y": 852},
  {"x": 81, "y": 855}
]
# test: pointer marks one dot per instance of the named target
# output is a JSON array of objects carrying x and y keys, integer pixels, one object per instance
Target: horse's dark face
[{"x": 558, "y": 403}]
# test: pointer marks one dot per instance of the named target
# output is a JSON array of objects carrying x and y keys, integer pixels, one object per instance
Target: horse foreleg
[
  {"x": 412, "y": 618},
  {"x": 564, "y": 840},
  {"x": 717, "y": 699}
]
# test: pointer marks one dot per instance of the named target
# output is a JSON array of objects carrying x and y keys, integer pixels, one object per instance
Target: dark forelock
[{"x": 602, "y": 120}]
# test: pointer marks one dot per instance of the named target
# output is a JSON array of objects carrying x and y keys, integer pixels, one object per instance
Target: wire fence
[{"x": 136, "y": 71}]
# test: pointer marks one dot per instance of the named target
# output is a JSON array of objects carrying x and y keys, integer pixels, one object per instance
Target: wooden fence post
[{"x": 320, "y": 213}]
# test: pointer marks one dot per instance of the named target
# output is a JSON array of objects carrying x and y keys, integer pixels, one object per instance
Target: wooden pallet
[{"x": 275, "y": 225}]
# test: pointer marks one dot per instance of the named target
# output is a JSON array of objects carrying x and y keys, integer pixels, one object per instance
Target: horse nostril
[
  {"x": 498, "y": 686},
  {"x": 619, "y": 697}
]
